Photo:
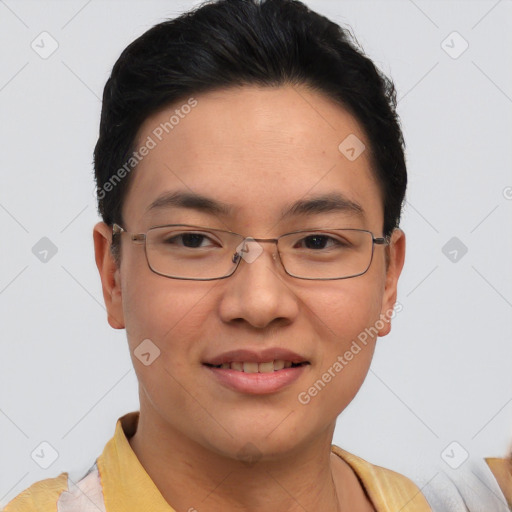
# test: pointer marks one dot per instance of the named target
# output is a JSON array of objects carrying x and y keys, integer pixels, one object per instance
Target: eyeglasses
[{"x": 182, "y": 251}]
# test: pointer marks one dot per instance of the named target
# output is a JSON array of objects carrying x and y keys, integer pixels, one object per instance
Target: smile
[{"x": 254, "y": 367}]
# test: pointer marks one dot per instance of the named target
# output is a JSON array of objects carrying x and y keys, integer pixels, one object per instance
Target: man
[{"x": 250, "y": 175}]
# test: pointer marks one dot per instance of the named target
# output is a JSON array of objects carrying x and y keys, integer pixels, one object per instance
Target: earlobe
[
  {"x": 393, "y": 271},
  {"x": 109, "y": 274}
]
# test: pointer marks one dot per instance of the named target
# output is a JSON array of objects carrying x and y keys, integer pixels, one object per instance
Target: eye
[
  {"x": 322, "y": 241},
  {"x": 189, "y": 240}
]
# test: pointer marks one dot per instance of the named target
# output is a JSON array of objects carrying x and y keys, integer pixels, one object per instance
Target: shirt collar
[{"x": 127, "y": 486}]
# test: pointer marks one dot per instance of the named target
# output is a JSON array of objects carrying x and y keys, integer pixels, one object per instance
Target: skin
[{"x": 258, "y": 149}]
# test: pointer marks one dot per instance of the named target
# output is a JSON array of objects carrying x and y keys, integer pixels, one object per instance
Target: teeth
[
  {"x": 253, "y": 367},
  {"x": 278, "y": 364},
  {"x": 266, "y": 367}
]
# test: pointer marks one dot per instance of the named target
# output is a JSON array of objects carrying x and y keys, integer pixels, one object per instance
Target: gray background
[{"x": 444, "y": 372}]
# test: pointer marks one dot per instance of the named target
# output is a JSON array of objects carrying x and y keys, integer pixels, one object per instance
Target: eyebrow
[
  {"x": 325, "y": 203},
  {"x": 192, "y": 201}
]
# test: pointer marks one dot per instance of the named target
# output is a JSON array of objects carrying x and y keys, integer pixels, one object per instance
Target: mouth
[
  {"x": 255, "y": 367},
  {"x": 257, "y": 371}
]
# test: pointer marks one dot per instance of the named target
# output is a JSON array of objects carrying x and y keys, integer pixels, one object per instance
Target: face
[{"x": 256, "y": 150}]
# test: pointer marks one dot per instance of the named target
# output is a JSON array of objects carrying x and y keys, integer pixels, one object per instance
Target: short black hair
[{"x": 226, "y": 43}]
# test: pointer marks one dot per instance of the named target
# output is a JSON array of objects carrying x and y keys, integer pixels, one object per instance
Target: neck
[{"x": 310, "y": 478}]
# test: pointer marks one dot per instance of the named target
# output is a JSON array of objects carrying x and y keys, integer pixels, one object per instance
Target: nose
[{"x": 258, "y": 292}]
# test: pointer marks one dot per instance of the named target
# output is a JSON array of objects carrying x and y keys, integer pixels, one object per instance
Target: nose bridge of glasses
[{"x": 249, "y": 249}]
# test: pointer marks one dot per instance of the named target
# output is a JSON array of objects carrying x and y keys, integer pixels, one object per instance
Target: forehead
[{"x": 255, "y": 149}]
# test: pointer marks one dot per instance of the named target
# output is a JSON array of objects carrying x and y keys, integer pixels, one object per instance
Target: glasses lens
[
  {"x": 191, "y": 252},
  {"x": 326, "y": 254}
]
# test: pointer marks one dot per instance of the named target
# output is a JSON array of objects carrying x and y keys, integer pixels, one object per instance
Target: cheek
[
  {"x": 169, "y": 314},
  {"x": 348, "y": 323},
  {"x": 346, "y": 310},
  {"x": 167, "y": 311}
]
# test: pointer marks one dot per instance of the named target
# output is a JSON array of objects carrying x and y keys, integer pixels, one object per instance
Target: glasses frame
[{"x": 140, "y": 238}]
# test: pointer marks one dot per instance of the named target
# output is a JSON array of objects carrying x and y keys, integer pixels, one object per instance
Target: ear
[
  {"x": 110, "y": 275},
  {"x": 396, "y": 253}
]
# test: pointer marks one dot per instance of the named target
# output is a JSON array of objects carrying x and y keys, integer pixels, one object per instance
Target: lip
[
  {"x": 256, "y": 356},
  {"x": 256, "y": 383}
]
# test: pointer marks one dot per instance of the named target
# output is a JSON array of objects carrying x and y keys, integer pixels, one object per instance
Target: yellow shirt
[
  {"x": 502, "y": 471},
  {"x": 117, "y": 482}
]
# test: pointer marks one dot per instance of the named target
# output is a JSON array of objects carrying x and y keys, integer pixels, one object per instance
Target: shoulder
[
  {"x": 367, "y": 471},
  {"x": 62, "y": 494},
  {"x": 501, "y": 468},
  {"x": 41, "y": 496},
  {"x": 387, "y": 489}
]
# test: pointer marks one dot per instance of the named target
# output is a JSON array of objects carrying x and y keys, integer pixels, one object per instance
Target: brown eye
[
  {"x": 316, "y": 242},
  {"x": 191, "y": 240}
]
